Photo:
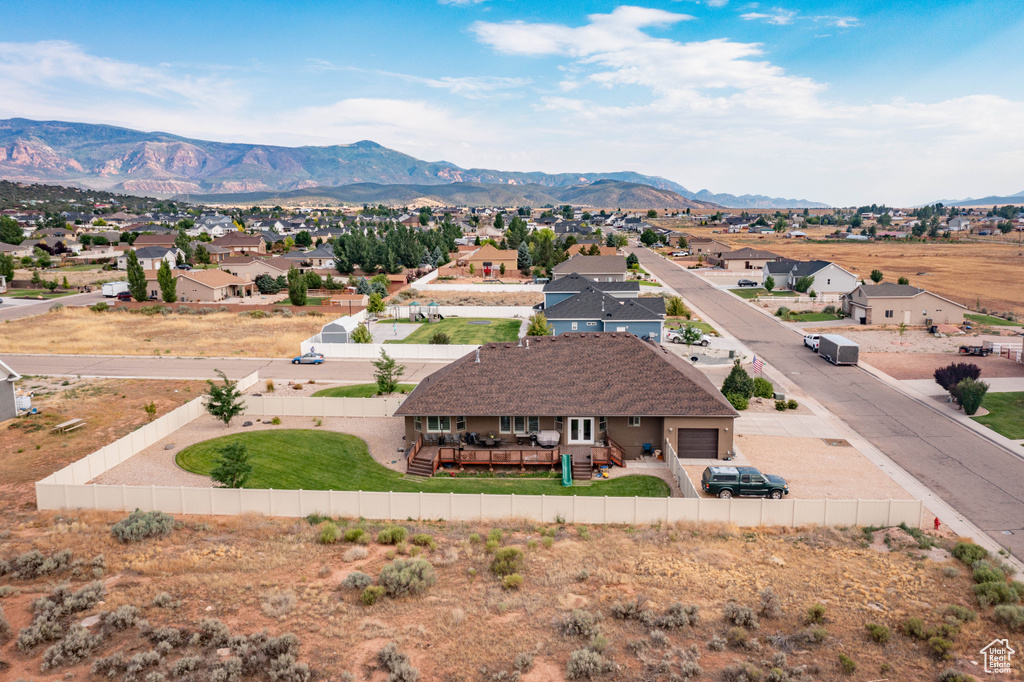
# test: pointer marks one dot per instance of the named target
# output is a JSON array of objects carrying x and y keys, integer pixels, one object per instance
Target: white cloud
[
  {"x": 470, "y": 87},
  {"x": 778, "y": 17}
]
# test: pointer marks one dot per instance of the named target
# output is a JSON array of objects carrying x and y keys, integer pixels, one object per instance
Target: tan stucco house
[
  {"x": 202, "y": 286},
  {"x": 900, "y": 303},
  {"x": 487, "y": 260},
  {"x": 746, "y": 259}
]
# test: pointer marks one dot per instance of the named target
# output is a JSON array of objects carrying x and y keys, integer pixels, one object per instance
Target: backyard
[
  {"x": 991, "y": 321},
  {"x": 809, "y": 316},
  {"x": 358, "y": 391},
  {"x": 466, "y": 330},
  {"x": 292, "y": 459},
  {"x": 1005, "y": 414}
]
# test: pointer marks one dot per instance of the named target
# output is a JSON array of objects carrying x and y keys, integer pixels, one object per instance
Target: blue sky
[{"x": 840, "y": 101}]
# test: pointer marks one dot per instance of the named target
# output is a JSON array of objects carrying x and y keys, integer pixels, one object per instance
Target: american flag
[{"x": 758, "y": 365}]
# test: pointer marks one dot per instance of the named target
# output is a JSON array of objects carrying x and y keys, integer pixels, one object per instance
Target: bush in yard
[
  {"x": 803, "y": 284},
  {"x": 738, "y": 382},
  {"x": 392, "y": 535},
  {"x": 440, "y": 338},
  {"x": 507, "y": 560},
  {"x": 970, "y": 393},
  {"x": 969, "y": 553},
  {"x": 878, "y": 633},
  {"x": 410, "y": 577},
  {"x": 780, "y": 405},
  {"x": 792, "y": 404},
  {"x": 357, "y": 580},
  {"x": 951, "y": 375},
  {"x": 141, "y": 525},
  {"x": 738, "y": 401},
  {"x": 763, "y": 388},
  {"x": 233, "y": 468},
  {"x": 225, "y": 401},
  {"x": 538, "y": 326},
  {"x": 674, "y": 307}
]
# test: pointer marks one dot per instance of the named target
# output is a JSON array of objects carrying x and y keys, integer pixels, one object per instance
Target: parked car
[
  {"x": 747, "y": 283},
  {"x": 674, "y": 336},
  {"x": 680, "y": 254},
  {"x": 308, "y": 359},
  {"x": 183, "y": 266},
  {"x": 726, "y": 482},
  {"x": 124, "y": 296},
  {"x": 811, "y": 341}
]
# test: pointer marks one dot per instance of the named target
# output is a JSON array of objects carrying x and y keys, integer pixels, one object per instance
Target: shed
[
  {"x": 8, "y": 404},
  {"x": 339, "y": 330}
]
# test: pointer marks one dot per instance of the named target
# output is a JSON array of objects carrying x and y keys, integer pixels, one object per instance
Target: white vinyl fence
[
  {"x": 288, "y": 406},
  {"x": 679, "y": 473},
  {"x": 491, "y": 311},
  {"x": 483, "y": 288}
]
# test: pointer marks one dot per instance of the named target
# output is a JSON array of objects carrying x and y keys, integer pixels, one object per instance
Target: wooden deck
[{"x": 424, "y": 460}]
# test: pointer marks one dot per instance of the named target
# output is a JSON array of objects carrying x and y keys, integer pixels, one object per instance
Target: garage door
[{"x": 697, "y": 443}]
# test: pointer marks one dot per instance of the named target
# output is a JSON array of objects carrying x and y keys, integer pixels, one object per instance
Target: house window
[
  {"x": 505, "y": 424},
  {"x": 602, "y": 423},
  {"x": 439, "y": 423},
  {"x": 533, "y": 423},
  {"x": 591, "y": 324},
  {"x": 575, "y": 325},
  {"x": 558, "y": 423},
  {"x": 460, "y": 423},
  {"x": 520, "y": 424},
  {"x": 525, "y": 424},
  {"x": 888, "y": 313},
  {"x": 634, "y": 421},
  {"x": 417, "y": 423}
]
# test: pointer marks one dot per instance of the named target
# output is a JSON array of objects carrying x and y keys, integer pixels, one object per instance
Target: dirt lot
[
  {"x": 888, "y": 339},
  {"x": 923, "y": 365},
  {"x": 111, "y": 408},
  {"x": 953, "y": 268},
  {"x": 81, "y": 331},
  {"x": 470, "y": 297},
  {"x": 252, "y": 573}
]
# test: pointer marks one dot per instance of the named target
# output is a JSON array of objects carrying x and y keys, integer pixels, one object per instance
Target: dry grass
[
  {"x": 471, "y": 298},
  {"x": 81, "y": 331},
  {"x": 232, "y": 568}
]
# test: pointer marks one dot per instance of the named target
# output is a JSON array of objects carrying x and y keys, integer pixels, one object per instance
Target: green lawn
[
  {"x": 357, "y": 391},
  {"x": 754, "y": 292},
  {"x": 680, "y": 323},
  {"x": 292, "y": 459},
  {"x": 85, "y": 267},
  {"x": 461, "y": 332},
  {"x": 35, "y": 293},
  {"x": 989, "y": 320},
  {"x": 645, "y": 283},
  {"x": 1006, "y": 414},
  {"x": 813, "y": 317}
]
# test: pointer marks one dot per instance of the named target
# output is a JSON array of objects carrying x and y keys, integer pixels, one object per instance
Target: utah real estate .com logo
[{"x": 997, "y": 655}]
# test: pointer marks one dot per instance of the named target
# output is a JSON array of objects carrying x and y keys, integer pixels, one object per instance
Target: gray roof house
[
  {"x": 560, "y": 289},
  {"x": 604, "y": 268},
  {"x": 829, "y": 278},
  {"x": 595, "y": 311}
]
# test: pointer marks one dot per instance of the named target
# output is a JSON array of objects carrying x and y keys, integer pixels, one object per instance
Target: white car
[
  {"x": 677, "y": 337},
  {"x": 680, "y": 254},
  {"x": 811, "y": 341}
]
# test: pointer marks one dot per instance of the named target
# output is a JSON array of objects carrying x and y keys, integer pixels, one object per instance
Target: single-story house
[
  {"x": 589, "y": 388},
  {"x": 595, "y": 311},
  {"x": 250, "y": 268},
  {"x": 239, "y": 242},
  {"x": 150, "y": 257},
  {"x": 703, "y": 246},
  {"x": 21, "y": 250},
  {"x": 603, "y": 268},
  {"x": 8, "y": 404},
  {"x": 201, "y": 286},
  {"x": 487, "y": 260},
  {"x": 746, "y": 259},
  {"x": 829, "y": 278},
  {"x": 560, "y": 289},
  {"x": 896, "y": 303}
]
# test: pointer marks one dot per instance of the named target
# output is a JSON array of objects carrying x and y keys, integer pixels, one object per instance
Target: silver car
[{"x": 308, "y": 359}]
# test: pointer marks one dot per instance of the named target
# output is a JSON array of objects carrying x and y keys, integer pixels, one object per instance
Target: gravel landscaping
[{"x": 923, "y": 365}]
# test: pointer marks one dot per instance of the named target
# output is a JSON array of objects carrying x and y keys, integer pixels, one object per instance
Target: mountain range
[
  {"x": 160, "y": 164},
  {"x": 1017, "y": 198}
]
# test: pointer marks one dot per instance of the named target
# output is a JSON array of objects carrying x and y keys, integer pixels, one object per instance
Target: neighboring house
[
  {"x": 250, "y": 268},
  {"x": 595, "y": 311},
  {"x": 603, "y": 268},
  {"x": 605, "y": 250},
  {"x": 484, "y": 232},
  {"x": 487, "y": 260},
  {"x": 217, "y": 253},
  {"x": 211, "y": 285},
  {"x": 702, "y": 246},
  {"x": 958, "y": 224},
  {"x": 150, "y": 257},
  {"x": 164, "y": 240},
  {"x": 571, "y": 227},
  {"x": 896, "y": 303},
  {"x": 26, "y": 248},
  {"x": 560, "y": 289},
  {"x": 8, "y": 405},
  {"x": 239, "y": 242},
  {"x": 322, "y": 256},
  {"x": 587, "y": 387},
  {"x": 746, "y": 259},
  {"x": 829, "y": 278},
  {"x": 271, "y": 237}
]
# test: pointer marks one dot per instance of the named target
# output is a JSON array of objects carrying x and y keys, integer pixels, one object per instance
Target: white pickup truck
[{"x": 811, "y": 341}]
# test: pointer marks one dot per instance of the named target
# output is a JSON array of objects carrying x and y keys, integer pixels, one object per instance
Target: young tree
[
  {"x": 632, "y": 261},
  {"x": 803, "y": 284},
  {"x": 538, "y": 326},
  {"x": 738, "y": 382},
  {"x": 168, "y": 284},
  {"x": 224, "y": 401},
  {"x": 296, "y": 287},
  {"x": 648, "y": 237},
  {"x": 361, "y": 334},
  {"x": 266, "y": 284},
  {"x": 501, "y": 269},
  {"x": 691, "y": 334},
  {"x": 376, "y": 304},
  {"x": 499, "y": 222},
  {"x": 233, "y": 467},
  {"x": 136, "y": 277},
  {"x": 877, "y": 276},
  {"x": 970, "y": 393},
  {"x": 10, "y": 231},
  {"x": 651, "y": 213},
  {"x": 674, "y": 307},
  {"x": 516, "y": 233},
  {"x": 387, "y": 373},
  {"x": 769, "y": 283},
  {"x": 902, "y": 280},
  {"x": 7, "y": 267}
]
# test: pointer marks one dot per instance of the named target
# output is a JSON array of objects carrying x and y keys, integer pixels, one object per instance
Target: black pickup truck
[{"x": 726, "y": 482}]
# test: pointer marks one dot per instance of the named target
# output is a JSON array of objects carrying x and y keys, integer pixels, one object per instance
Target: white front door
[{"x": 581, "y": 430}]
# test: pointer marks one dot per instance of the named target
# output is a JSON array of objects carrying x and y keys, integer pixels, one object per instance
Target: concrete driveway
[
  {"x": 17, "y": 308},
  {"x": 972, "y": 474}
]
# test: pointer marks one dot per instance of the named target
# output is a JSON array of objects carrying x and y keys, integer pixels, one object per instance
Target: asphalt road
[
  {"x": 973, "y": 475},
  {"x": 136, "y": 366},
  {"x": 16, "y": 308}
]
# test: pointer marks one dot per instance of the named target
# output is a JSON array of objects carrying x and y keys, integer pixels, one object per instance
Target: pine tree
[
  {"x": 297, "y": 287},
  {"x": 738, "y": 382},
  {"x": 136, "y": 277},
  {"x": 224, "y": 401},
  {"x": 168, "y": 285},
  {"x": 523, "y": 260},
  {"x": 233, "y": 467},
  {"x": 184, "y": 244}
]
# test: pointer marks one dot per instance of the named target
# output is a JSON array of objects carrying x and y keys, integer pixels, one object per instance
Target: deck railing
[{"x": 499, "y": 456}]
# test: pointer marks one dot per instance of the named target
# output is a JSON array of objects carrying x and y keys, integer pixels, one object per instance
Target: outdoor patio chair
[{"x": 648, "y": 449}]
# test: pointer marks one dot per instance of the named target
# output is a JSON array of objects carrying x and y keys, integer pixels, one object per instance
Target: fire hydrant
[{"x": 937, "y": 524}]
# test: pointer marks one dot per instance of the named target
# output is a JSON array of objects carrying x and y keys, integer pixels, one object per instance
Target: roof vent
[{"x": 478, "y": 356}]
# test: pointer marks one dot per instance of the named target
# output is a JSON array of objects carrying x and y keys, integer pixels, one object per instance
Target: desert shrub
[
  {"x": 815, "y": 635},
  {"x": 763, "y": 388},
  {"x": 985, "y": 572},
  {"x": 357, "y": 535},
  {"x": 584, "y": 664},
  {"x": 508, "y": 560},
  {"x": 513, "y": 581},
  {"x": 580, "y": 623},
  {"x": 329, "y": 533},
  {"x": 5, "y": 627},
  {"x": 951, "y": 675},
  {"x": 49, "y": 610},
  {"x": 770, "y": 606},
  {"x": 716, "y": 643},
  {"x": 969, "y": 553},
  {"x": 1010, "y": 614},
  {"x": 780, "y": 405},
  {"x": 78, "y": 644},
  {"x": 228, "y": 670},
  {"x": 407, "y": 577},
  {"x": 424, "y": 540},
  {"x": 816, "y": 614},
  {"x": 583, "y": 576},
  {"x": 165, "y": 601},
  {"x": 679, "y": 615},
  {"x": 166, "y": 635},
  {"x": 108, "y": 666},
  {"x": 878, "y": 633},
  {"x": 357, "y": 580},
  {"x": 634, "y": 609},
  {"x": 792, "y": 404},
  {"x": 738, "y": 401},
  {"x": 914, "y": 627},
  {"x": 737, "y": 637},
  {"x": 212, "y": 633},
  {"x": 285, "y": 668},
  {"x": 278, "y": 603},
  {"x": 742, "y": 671},
  {"x": 397, "y": 663},
  {"x": 371, "y": 594},
  {"x": 495, "y": 535},
  {"x": 123, "y": 618},
  {"x": 940, "y": 647},
  {"x": 688, "y": 670},
  {"x": 139, "y": 662},
  {"x": 847, "y": 664},
  {"x": 35, "y": 564},
  {"x": 742, "y": 616},
  {"x": 998, "y": 593},
  {"x": 961, "y": 614},
  {"x": 523, "y": 662},
  {"x": 392, "y": 535},
  {"x": 141, "y": 525},
  {"x": 474, "y": 538},
  {"x": 355, "y": 554}
]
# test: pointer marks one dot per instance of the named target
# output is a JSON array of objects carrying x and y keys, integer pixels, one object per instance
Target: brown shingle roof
[
  {"x": 488, "y": 252},
  {"x": 238, "y": 239},
  {"x": 212, "y": 278},
  {"x": 592, "y": 265},
  {"x": 621, "y": 376}
]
